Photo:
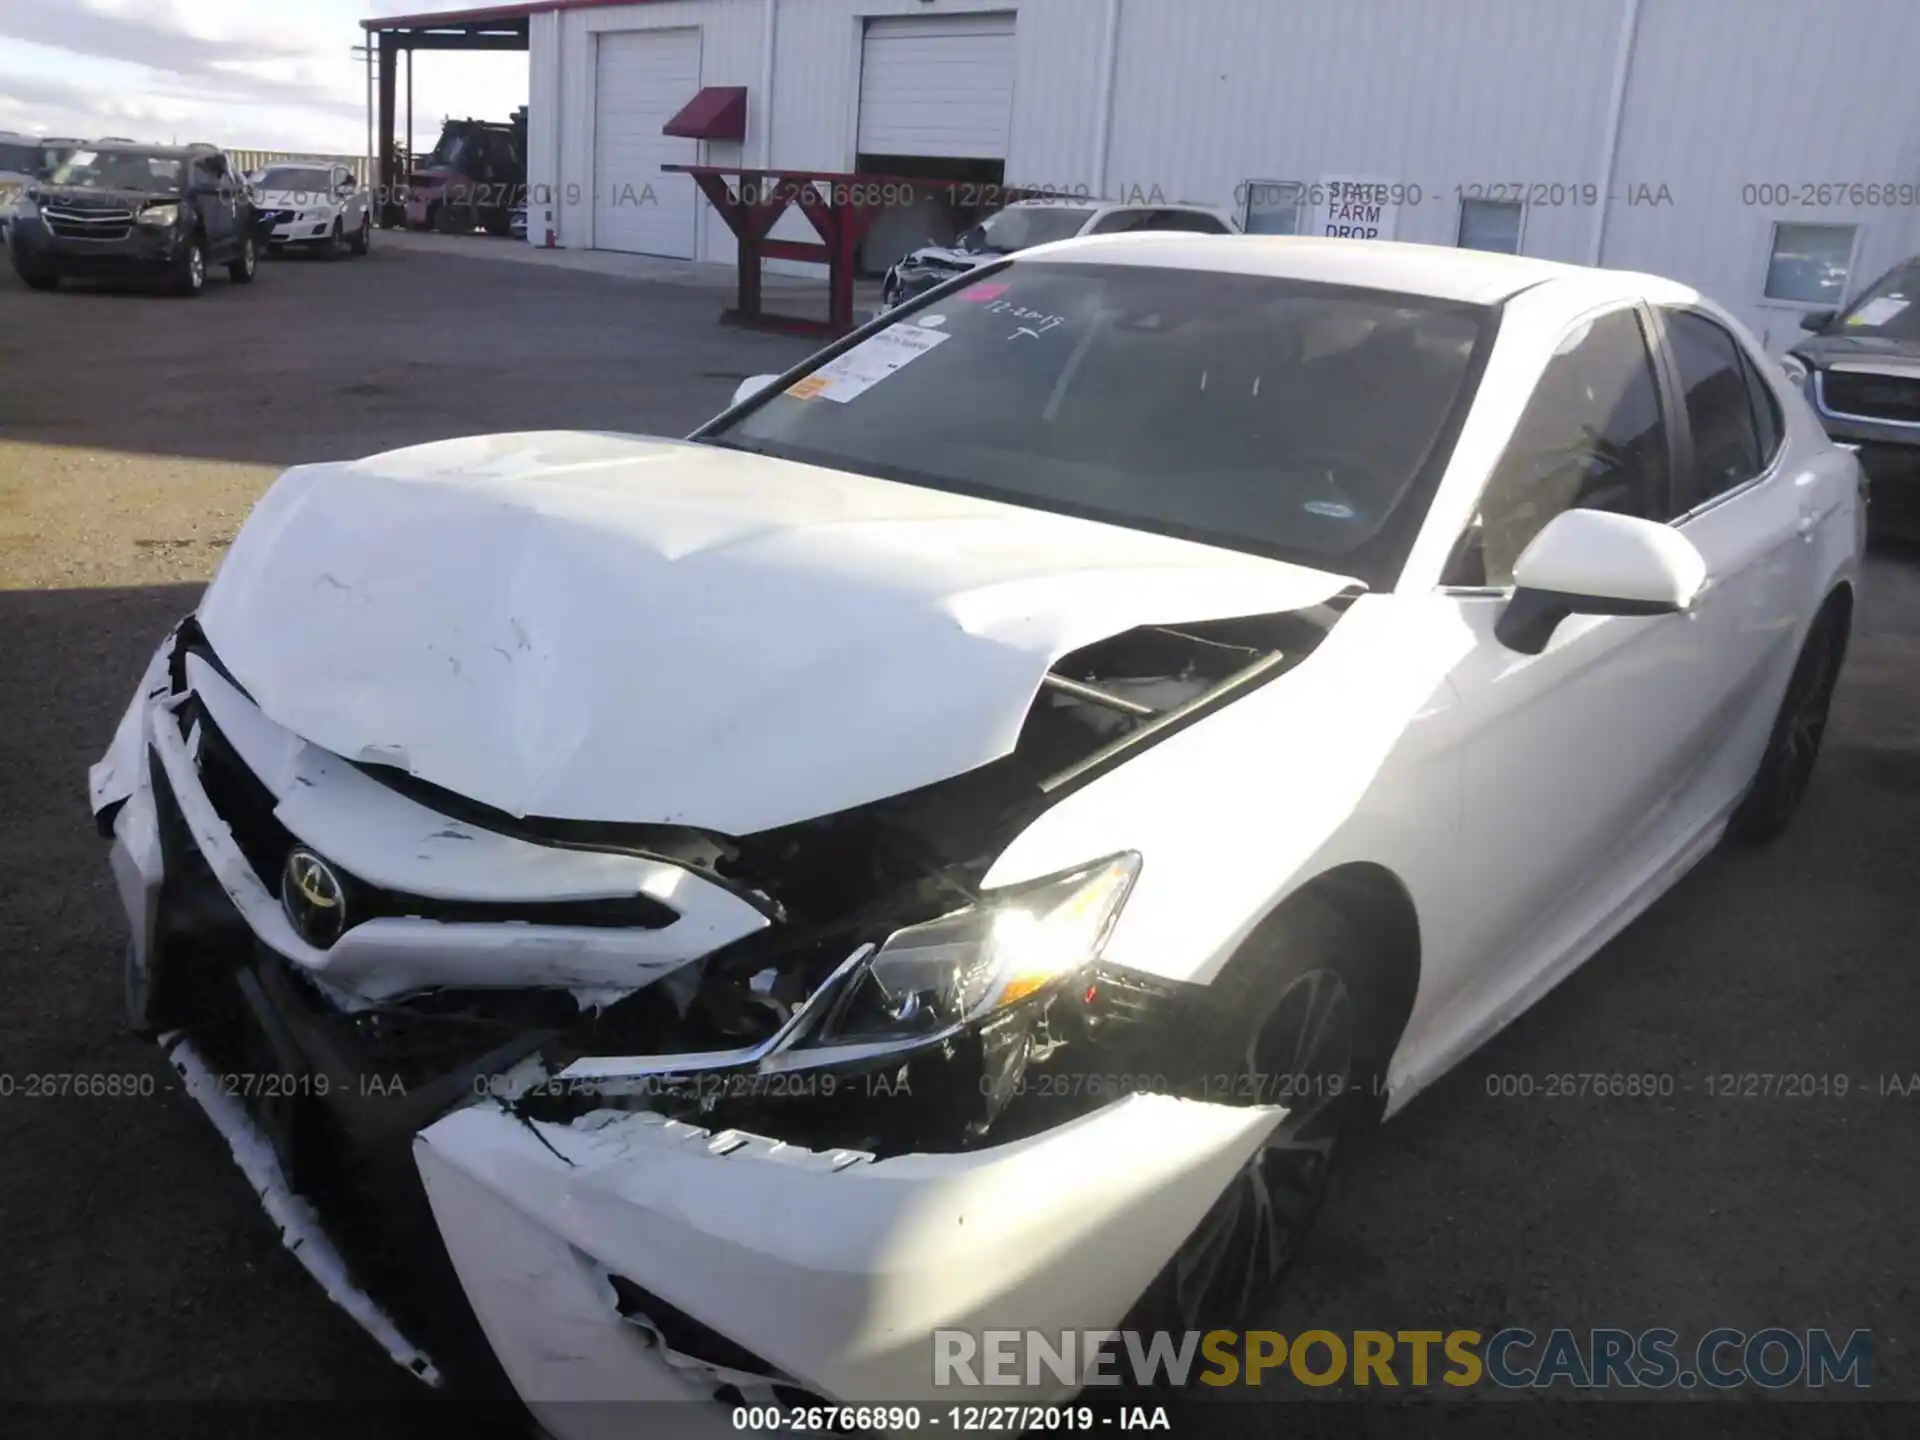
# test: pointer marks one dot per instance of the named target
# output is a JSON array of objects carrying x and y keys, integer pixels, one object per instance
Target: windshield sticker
[
  {"x": 1879, "y": 312},
  {"x": 867, "y": 364},
  {"x": 83, "y": 157},
  {"x": 931, "y": 322},
  {"x": 980, "y": 294},
  {"x": 1332, "y": 509}
]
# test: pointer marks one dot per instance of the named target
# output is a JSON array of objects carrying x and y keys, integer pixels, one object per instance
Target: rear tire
[
  {"x": 1305, "y": 1025},
  {"x": 1786, "y": 768}
]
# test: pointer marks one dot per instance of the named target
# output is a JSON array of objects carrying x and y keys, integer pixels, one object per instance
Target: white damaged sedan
[{"x": 958, "y": 841}]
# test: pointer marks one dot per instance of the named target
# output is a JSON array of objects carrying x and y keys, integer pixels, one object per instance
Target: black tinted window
[
  {"x": 1191, "y": 220},
  {"x": 1121, "y": 221},
  {"x": 1766, "y": 411},
  {"x": 1726, "y": 442},
  {"x": 1265, "y": 414},
  {"x": 1591, "y": 438}
]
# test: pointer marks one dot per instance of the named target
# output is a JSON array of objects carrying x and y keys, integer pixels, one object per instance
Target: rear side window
[
  {"x": 1727, "y": 449},
  {"x": 1591, "y": 438},
  {"x": 1192, "y": 220}
]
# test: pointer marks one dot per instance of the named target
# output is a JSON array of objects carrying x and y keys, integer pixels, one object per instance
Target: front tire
[
  {"x": 1793, "y": 746},
  {"x": 241, "y": 270},
  {"x": 190, "y": 268},
  {"x": 1305, "y": 1027},
  {"x": 39, "y": 280}
]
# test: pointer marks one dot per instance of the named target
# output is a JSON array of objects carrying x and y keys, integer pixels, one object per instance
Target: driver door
[
  {"x": 1571, "y": 758},
  {"x": 217, "y": 198}
]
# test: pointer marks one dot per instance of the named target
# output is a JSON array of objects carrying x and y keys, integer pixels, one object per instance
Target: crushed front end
[{"x": 586, "y": 1112}]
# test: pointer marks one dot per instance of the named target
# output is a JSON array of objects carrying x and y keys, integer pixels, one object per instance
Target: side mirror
[
  {"x": 750, "y": 387},
  {"x": 1816, "y": 320},
  {"x": 1591, "y": 562}
]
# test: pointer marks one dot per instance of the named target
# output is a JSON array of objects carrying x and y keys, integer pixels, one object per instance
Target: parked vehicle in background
[
  {"x": 1063, "y": 759},
  {"x": 24, "y": 159},
  {"x": 517, "y": 221},
  {"x": 315, "y": 205},
  {"x": 472, "y": 178},
  {"x": 127, "y": 210},
  {"x": 1861, "y": 369},
  {"x": 1027, "y": 223}
]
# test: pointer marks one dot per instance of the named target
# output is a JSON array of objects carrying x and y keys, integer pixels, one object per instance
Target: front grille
[
  {"x": 247, "y": 806},
  {"x": 1894, "y": 399},
  {"x": 88, "y": 224}
]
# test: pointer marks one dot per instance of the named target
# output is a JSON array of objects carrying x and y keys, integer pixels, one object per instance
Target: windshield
[
  {"x": 1287, "y": 418},
  {"x": 450, "y": 151},
  {"x": 1020, "y": 226},
  {"x": 1886, "y": 311},
  {"x": 119, "y": 170},
  {"x": 301, "y": 180}
]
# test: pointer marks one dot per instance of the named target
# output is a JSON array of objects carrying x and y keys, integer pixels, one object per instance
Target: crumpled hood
[{"x": 617, "y": 628}]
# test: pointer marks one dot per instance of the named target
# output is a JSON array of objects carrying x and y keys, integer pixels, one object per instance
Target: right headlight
[{"x": 937, "y": 977}]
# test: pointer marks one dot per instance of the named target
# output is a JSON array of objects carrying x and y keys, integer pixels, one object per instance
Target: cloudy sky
[{"x": 247, "y": 74}]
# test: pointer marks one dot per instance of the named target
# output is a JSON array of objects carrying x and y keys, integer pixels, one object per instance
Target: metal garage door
[
  {"x": 937, "y": 86},
  {"x": 641, "y": 79}
]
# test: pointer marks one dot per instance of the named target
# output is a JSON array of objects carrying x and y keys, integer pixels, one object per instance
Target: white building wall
[
  {"x": 1209, "y": 94},
  {"x": 1726, "y": 93},
  {"x": 1412, "y": 92},
  {"x": 731, "y": 51}
]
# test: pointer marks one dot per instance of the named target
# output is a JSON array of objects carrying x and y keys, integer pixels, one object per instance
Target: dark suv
[
  {"x": 124, "y": 209},
  {"x": 1861, "y": 369}
]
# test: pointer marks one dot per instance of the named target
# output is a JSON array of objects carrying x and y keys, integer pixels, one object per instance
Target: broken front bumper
[{"x": 620, "y": 1257}]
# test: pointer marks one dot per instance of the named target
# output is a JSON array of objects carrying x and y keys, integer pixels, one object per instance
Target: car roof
[
  {"x": 139, "y": 147},
  {"x": 1442, "y": 272}
]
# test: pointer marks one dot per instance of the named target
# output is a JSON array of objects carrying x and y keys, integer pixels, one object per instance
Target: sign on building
[{"x": 1358, "y": 207}]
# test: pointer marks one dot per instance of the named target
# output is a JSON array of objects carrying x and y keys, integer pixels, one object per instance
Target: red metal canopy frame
[{"x": 840, "y": 205}]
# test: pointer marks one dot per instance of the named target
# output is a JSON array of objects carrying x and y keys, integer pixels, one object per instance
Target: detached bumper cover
[{"x": 831, "y": 1267}]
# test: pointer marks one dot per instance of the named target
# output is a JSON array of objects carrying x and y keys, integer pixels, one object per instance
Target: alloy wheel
[{"x": 1303, "y": 1059}]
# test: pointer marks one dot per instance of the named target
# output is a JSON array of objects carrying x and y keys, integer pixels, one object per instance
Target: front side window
[
  {"x": 1808, "y": 264},
  {"x": 1277, "y": 416},
  {"x": 1591, "y": 438},
  {"x": 1273, "y": 207},
  {"x": 1726, "y": 439},
  {"x": 21, "y": 159},
  {"x": 118, "y": 170},
  {"x": 1491, "y": 225}
]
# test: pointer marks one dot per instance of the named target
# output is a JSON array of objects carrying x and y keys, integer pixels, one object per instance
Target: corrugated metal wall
[
  {"x": 1724, "y": 94},
  {"x": 1209, "y": 94}
]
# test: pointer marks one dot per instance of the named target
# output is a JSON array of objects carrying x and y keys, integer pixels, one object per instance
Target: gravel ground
[{"x": 135, "y": 1266}]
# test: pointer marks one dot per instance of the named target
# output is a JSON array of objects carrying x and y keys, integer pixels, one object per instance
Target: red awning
[{"x": 718, "y": 112}]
